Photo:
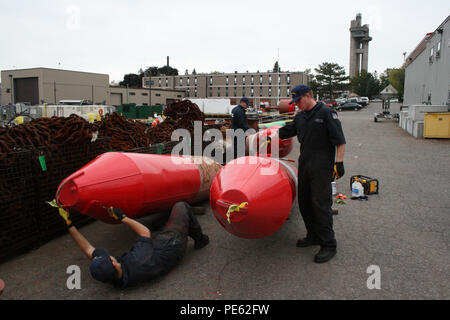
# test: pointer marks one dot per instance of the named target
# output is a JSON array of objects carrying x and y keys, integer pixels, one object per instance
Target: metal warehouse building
[
  {"x": 427, "y": 69},
  {"x": 45, "y": 85}
]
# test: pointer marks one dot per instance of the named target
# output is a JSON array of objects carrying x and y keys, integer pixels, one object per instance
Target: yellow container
[
  {"x": 437, "y": 125},
  {"x": 19, "y": 120},
  {"x": 91, "y": 117}
]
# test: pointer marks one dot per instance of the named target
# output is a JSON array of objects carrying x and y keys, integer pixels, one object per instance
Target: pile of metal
[
  {"x": 126, "y": 134},
  {"x": 179, "y": 115},
  {"x": 45, "y": 132}
]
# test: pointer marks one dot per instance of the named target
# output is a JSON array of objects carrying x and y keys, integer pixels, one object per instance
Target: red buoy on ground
[
  {"x": 139, "y": 184},
  {"x": 252, "y": 197}
]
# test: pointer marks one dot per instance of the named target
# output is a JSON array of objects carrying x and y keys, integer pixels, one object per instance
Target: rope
[{"x": 235, "y": 208}]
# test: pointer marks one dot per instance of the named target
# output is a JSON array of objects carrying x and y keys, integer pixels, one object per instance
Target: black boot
[
  {"x": 307, "y": 242},
  {"x": 201, "y": 242},
  {"x": 325, "y": 254}
]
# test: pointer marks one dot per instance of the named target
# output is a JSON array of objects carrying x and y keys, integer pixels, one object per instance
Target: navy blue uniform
[
  {"x": 319, "y": 131},
  {"x": 153, "y": 257},
  {"x": 239, "y": 121}
]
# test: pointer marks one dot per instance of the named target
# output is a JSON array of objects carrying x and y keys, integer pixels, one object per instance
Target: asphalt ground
[{"x": 404, "y": 231}]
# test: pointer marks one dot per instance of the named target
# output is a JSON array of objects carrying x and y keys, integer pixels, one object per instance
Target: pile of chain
[
  {"x": 45, "y": 132},
  {"x": 179, "y": 115},
  {"x": 126, "y": 134}
]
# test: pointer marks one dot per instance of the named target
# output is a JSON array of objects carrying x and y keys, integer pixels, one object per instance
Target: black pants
[
  {"x": 315, "y": 202},
  {"x": 182, "y": 223}
]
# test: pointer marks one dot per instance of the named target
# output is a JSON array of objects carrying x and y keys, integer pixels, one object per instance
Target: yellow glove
[
  {"x": 116, "y": 213},
  {"x": 65, "y": 215}
]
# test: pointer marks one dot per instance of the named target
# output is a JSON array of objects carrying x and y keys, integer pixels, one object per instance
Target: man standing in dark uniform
[
  {"x": 239, "y": 121},
  {"x": 322, "y": 140}
]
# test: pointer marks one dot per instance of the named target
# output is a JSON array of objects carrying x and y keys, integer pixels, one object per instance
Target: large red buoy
[
  {"x": 252, "y": 197},
  {"x": 139, "y": 184},
  {"x": 285, "y": 145},
  {"x": 286, "y": 107}
]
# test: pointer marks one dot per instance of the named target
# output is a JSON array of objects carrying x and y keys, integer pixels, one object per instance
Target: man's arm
[
  {"x": 340, "y": 150},
  {"x": 137, "y": 227},
  {"x": 82, "y": 242}
]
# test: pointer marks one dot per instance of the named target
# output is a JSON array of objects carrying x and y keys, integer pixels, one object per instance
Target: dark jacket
[
  {"x": 239, "y": 120},
  {"x": 319, "y": 131}
]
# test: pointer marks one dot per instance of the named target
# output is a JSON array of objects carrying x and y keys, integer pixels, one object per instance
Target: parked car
[
  {"x": 364, "y": 101},
  {"x": 341, "y": 100},
  {"x": 332, "y": 103},
  {"x": 349, "y": 106}
]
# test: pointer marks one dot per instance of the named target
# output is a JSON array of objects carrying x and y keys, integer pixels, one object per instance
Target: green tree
[
  {"x": 132, "y": 80},
  {"x": 329, "y": 80},
  {"x": 397, "y": 79},
  {"x": 194, "y": 72},
  {"x": 276, "y": 67},
  {"x": 384, "y": 80},
  {"x": 365, "y": 84}
]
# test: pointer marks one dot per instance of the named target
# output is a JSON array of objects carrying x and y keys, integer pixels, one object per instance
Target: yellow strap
[
  {"x": 235, "y": 208},
  {"x": 63, "y": 213}
]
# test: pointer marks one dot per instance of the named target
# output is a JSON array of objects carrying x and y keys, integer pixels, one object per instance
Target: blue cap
[
  {"x": 244, "y": 99},
  {"x": 298, "y": 92},
  {"x": 101, "y": 267}
]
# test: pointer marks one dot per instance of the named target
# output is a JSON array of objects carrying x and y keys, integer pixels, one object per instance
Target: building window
[
  {"x": 243, "y": 80},
  {"x": 188, "y": 81},
  {"x": 235, "y": 80},
  {"x": 195, "y": 81},
  {"x": 227, "y": 80},
  {"x": 260, "y": 79},
  {"x": 226, "y": 92},
  {"x": 211, "y": 81},
  {"x": 270, "y": 92},
  {"x": 181, "y": 82},
  {"x": 438, "y": 50},
  {"x": 279, "y": 92},
  {"x": 145, "y": 94},
  {"x": 218, "y": 92},
  {"x": 252, "y": 92},
  {"x": 270, "y": 79},
  {"x": 288, "y": 79},
  {"x": 132, "y": 93},
  {"x": 167, "y": 82},
  {"x": 159, "y": 82},
  {"x": 260, "y": 91},
  {"x": 210, "y": 92},
  {"x": 288, "y": 91},
  {"x": 195, "y": 92},
  {"x": 431, "y": 55},
  {"x": 252, "y": 80}
]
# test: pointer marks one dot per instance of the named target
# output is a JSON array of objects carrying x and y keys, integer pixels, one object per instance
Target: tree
[
  {"x": 132, "y": 80},
  {"x": 397, "y": 79},
  {"x": 330, "y": 79},
  {"x": 276, "y": 67},
  {"x": 194, "y": 72},
  {"x": 384, "y": 80},
  {"x": 365, "y": 84}
]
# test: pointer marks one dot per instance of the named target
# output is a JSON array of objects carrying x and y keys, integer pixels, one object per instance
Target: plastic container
[
  {"x": 333, "y": 188},
  {"x": 357, "y": 190}
]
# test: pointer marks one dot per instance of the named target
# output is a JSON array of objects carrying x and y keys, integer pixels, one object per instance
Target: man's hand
[
  {"x": 65, "y": 215},
  {"x": 339, "y": 170},
  {"x": 116, "y": 213}
]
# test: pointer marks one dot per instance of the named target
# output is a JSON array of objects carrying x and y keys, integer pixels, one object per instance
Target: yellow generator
[{"x": 371, "y": 186}]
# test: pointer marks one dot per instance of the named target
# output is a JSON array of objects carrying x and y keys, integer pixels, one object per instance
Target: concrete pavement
[{"x": 404, "y": 231}]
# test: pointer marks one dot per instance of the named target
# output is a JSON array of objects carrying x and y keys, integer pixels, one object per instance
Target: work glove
[
  {"x": 339, "y": 170},
  {"x": 65, "y": 215},
  {"x": 116, "y": 213}
]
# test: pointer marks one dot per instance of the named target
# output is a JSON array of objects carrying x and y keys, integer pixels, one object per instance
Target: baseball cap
[
  {"x": 101, "y": 267},
  {"x": 244, "y": 99},
  {"x": 298, "y": 92}
]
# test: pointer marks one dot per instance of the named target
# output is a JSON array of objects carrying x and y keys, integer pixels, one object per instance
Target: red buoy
[
  {"x": 285, "y": 145},
  {"x": 139, "y": 184},
  {"x": 252, "y": 197}
]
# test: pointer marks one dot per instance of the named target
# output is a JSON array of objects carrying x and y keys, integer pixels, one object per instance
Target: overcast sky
[{"x": 118, "y": 37}]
